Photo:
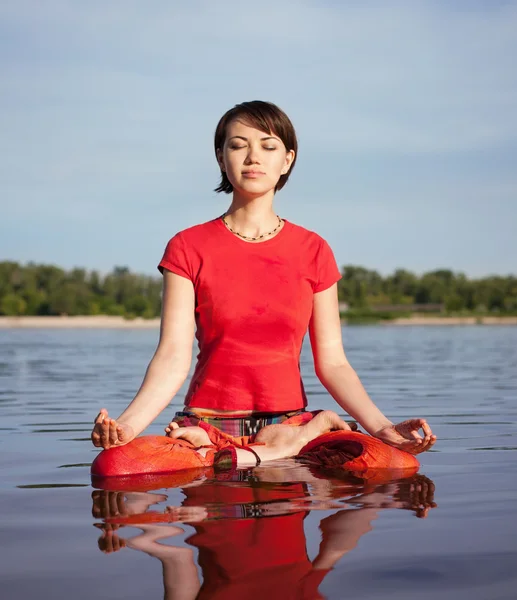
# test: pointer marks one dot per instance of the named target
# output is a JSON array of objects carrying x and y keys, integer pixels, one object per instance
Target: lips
[{"x": 252, "y": 174}]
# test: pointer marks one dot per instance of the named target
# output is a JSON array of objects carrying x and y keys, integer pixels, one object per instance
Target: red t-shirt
[{"x": 253, "y": 306}]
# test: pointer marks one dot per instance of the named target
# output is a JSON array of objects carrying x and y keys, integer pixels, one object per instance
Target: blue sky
[{"x": 406, "y": 114}]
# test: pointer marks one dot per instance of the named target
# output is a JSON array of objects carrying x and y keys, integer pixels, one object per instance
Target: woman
[{"x": 248, "y": 284}]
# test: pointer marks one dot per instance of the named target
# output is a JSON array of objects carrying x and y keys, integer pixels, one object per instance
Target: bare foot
[
  {"x": 290, "y": 440},
  {"x": 187, "y": 514}
]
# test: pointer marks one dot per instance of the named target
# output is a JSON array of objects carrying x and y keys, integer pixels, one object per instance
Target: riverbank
[
  {"x": 420, "y": 320},
  {"x": 80, "y": 322},
  {"x": 107, "y": 322}
]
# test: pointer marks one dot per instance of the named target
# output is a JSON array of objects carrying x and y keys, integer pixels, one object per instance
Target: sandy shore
[
  {"x": 87, "y": 322},
  {"x": 106, "y": 322},
  {"x": 418, "y": 320}
]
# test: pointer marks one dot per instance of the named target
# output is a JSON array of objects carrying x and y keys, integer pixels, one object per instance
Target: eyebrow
[{"x": 241, "y": 137}]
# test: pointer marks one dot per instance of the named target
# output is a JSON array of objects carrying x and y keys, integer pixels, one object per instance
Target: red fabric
[
  {"x": 253, "y": 306},
  {"x": 149, "y": 454},
  {"x": 358, "y": 453},
  {"x": 355, "y": 452},
  {"x": 256, "y": 559},
  {"x": 243, "y": 557}
]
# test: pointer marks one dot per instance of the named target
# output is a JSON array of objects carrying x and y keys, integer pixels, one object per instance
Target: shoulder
[
  {"x": 197, "y": 232},
  {"x": 196, "y": 237},
  {"x": 184, "y": 251},
  {"x": 307, "y": 237}
]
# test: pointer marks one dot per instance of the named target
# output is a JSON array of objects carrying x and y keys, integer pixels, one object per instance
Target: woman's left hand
[{"x": 406, "y": 436}]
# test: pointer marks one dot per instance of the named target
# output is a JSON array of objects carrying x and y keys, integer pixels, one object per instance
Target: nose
[{"x": 252, "y": 156}]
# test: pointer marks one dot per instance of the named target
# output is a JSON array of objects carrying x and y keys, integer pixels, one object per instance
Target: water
[{"x": 255, "y": 537}]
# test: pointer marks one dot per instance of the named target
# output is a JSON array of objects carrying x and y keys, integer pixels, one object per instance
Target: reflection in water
[{"x": 249, "y": 526}]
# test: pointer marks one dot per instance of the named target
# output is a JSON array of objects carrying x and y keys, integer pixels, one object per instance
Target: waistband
[{"x": 236, "y": 426}]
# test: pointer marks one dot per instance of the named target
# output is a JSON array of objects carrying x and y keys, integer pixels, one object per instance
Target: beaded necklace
[{"x": 245, "y": 237}]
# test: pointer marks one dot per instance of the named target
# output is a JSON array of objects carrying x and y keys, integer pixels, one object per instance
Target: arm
[
  {"x": 339, "y": 378},
  {"x": 166, "y": 372}
]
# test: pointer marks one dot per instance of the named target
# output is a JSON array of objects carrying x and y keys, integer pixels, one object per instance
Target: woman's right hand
[{"x": 108, "y": 433}]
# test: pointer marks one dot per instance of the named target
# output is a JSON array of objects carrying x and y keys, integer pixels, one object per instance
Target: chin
[{"x": 255, "y": 188}]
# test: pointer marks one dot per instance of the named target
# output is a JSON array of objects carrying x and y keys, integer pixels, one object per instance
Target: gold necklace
[{"x": 245, "y": 237}]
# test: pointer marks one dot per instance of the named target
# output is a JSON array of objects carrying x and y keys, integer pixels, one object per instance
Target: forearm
[
  {"x": 344, "y": 385},
  {"x": 164, "y": 377},
  {"x": 341, "y": 534}
]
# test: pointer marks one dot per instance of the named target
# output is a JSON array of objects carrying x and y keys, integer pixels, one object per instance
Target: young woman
[{"x": 249, "y": 284}]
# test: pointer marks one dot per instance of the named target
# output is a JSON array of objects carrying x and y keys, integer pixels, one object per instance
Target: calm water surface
[{"x": 279, "y": 531}]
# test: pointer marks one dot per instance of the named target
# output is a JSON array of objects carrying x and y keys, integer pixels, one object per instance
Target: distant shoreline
[
  {"x": 79, "y": 322},
  {"x": 108, "y": 322},
  {"x": 419, "y": 320}
]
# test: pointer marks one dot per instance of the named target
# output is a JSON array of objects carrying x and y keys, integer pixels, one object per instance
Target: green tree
[{"x": 13, "y": 305}]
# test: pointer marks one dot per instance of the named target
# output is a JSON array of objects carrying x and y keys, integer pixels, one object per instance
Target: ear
[
  {"x": 219, "y": 155},
  {"x": 289, "y": 157}
]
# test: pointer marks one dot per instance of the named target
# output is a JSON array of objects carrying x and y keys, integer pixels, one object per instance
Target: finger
[
  {"x": 104, "y": 427},
  {"x": 123, "y": 434},
  {"x": 113, "y": 504},
  {"x": 415, "y": 435},
  {"x": 113, "y": 436},
  {"x": 121, "y": 504},
  {"x": 108, "y": 541},
  {"x": 426, "y": 428},
  {"x": 427, "y": 431},
  {"x": 105, "y": 511},
  {"x": 422, "y": 496},
  {"x": 428, "y": 443},
  {"x": 411, "y": 446},
  {"x": 96, "y": 510},
  {"x": 101, "y": 416},
  {"x": 96, "y": 438}
]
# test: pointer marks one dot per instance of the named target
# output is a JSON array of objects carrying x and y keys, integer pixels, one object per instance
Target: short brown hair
[{"x": 266, "y": 117}]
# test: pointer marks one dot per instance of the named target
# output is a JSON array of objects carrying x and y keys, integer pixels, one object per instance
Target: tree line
[
  {"x": 361, "y": 288},
  {"x": 34, "y": 289}
]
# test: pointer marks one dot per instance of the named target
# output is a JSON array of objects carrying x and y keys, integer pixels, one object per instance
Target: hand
[
  {"x": 108, "y": 433},
  {"x": 195, "y": 435},
  {"x": 405, "y": 436},
  {"x": 415, "y": 494}
]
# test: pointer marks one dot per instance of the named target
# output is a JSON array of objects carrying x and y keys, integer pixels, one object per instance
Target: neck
[{"x": 252, "y": 217}]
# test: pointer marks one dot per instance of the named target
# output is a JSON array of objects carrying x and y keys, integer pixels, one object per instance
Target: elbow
[
  {"x": 175, "y": 364},
  {"x": 327, "y": 373}
]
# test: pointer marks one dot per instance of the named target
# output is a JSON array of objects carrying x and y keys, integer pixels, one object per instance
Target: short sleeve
[
  {"x": 175, "y": 258},
  {"x": 327, "y": 270}
]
